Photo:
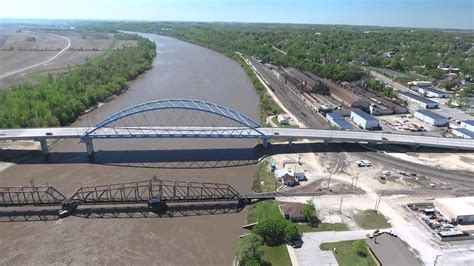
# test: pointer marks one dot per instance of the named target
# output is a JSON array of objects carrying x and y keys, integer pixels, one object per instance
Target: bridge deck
[{"x": 235, "y": 132}]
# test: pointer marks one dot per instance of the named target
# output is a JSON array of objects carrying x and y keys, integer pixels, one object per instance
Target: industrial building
[
  {"x": 456, "y": 210},
  {"x": 417, "y": 83},
  {"x": 321, "y": 103},
  {"x": 431, "y": 118},
  {"x": 418, "y": 100},
  {"x": 468, "y": 124},
  {"x": 305, "y": 83},
  {"x": 463, "y": 133},
  {"x": 432, "y": 92},
  {"x": 338, "y": 121},
  {"x": 364, "y": 120},
  {"x": 346, "y": 97}
]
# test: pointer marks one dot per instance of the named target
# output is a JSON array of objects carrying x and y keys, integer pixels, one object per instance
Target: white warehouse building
[
  {"x": 364, "y": 120},
  {"x": 338, "y": 121},
  {"x": 431, "y": 118},
  {"x": 456, "y": 210},
  {"x": 463, "y": 133},
  {"x": 468, "y": 124},
  {"x": 432, "y": 92},
  {"x": 418, "y": 100}
]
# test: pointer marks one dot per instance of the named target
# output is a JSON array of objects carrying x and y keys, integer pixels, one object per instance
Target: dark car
[
  {"x": 296, "y": 243},
  {"x": 49, "y": 133}
]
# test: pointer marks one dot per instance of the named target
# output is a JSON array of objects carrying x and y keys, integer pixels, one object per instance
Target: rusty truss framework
[
  {"x": 34, "y": 195},
  {"x": 164, "y": 191}
]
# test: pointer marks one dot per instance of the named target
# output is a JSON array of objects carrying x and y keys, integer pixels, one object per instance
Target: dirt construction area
[{"x": 27, "y": 54}]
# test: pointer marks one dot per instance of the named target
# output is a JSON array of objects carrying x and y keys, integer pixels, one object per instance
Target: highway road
[
  {"x": 41, "y": 63},
  {"x": 290, "y": 99},
  {"x": 329, "y": 136}
]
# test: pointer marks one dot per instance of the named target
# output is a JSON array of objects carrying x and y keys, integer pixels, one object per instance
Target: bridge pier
[
  {"x": 89, "y": 147},
  {"x": 44, "y": 147},
  {"x": 265, "y": 143},
  {"x": 290, "y": 142}
]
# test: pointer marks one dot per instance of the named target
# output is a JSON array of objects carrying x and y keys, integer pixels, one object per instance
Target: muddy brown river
[{"x": 180, "y": 70}]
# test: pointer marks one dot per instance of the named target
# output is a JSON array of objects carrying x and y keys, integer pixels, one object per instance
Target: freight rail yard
[{"x": 403, "y": 184}]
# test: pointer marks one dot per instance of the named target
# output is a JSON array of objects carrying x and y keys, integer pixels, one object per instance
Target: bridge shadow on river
[
  {"x": 107, "y": 212},
  {"x": 191, "y": 158}
]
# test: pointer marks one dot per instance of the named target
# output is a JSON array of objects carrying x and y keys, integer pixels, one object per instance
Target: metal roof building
[
  {"x": 431, "y": 92},
  {"x": 338, "y": 121},
  {"x": 459, "y": 210},
  {"x": 431, "y": 118},
  {"x": 463, "y": 133},
  {"x": 468, "y": 124},
  {"x": 364, "y": 120},
  {"x": 418, "y": 100}
]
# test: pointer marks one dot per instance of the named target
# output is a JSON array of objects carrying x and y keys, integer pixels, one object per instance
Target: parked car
[{"x": 296, "y": 242}]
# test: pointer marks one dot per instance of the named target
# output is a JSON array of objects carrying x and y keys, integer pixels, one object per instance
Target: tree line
[
  {"x": 58, "y": 101},
  {"x": 331, "y": 51}
]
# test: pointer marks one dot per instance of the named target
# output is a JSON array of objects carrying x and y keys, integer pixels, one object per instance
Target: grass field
[
  {"x": 264, "y": 180},
  {"x": 371, "y": 219},
  {"x": 306, "y": 228},
  {"x": 350, "y": 253},
  {"x": 277, "y": 256}
]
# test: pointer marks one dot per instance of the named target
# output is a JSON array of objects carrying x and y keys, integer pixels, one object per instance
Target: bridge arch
[{"x": 237, "y": 125}]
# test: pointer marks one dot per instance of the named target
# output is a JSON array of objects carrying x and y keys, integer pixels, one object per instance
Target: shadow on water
[
  {"x": 195, "y": 158},
  {"x": 182, "y": 210}
]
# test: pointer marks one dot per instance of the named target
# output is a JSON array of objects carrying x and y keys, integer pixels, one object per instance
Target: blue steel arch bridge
[{"x": 187, "y": 118}]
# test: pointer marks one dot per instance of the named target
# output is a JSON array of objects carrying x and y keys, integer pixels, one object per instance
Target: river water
[{"x": 180, "y": 70}]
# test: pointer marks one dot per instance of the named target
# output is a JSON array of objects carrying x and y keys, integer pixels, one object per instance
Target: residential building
[
  {"x": 289, "y": 180},
  {"x": 456, "y": 210},
  {"x": 431, "y": 92},
  {"x": 292, "y": 211},
  {"x": 364, "y": 120},
  {"x": 295, "y": 169},
  {"x": 431, "y": 118},
  {"x": 418, "y": 100},
  {"x": 338, "y": 121}
]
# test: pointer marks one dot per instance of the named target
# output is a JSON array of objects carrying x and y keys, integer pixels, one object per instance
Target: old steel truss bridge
[{"x": 153, "y": 196}]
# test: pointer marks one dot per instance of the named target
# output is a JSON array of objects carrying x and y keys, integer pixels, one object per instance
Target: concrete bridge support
[
  {"x": 44, "y": 147},
  {"x": 265, "y": 142},
  {"x": 89, "y": 147}
]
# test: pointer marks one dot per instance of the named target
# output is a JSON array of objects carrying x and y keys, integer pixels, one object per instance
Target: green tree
[
  {"x": 273, "y": 231},
  {"x": 309, "y": 212},
  {"x": 291, "y": 231},
  {"x": 251, "y": 250}
]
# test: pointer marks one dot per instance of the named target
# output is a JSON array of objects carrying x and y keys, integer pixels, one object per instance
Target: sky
[{"x": 458, "y": 14}]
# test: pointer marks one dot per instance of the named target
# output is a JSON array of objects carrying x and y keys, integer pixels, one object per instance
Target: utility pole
[
  {"x": 340, "y": 205},
  {"x": 377, "y": 203},
  {"x": 329, "y": 181}
]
